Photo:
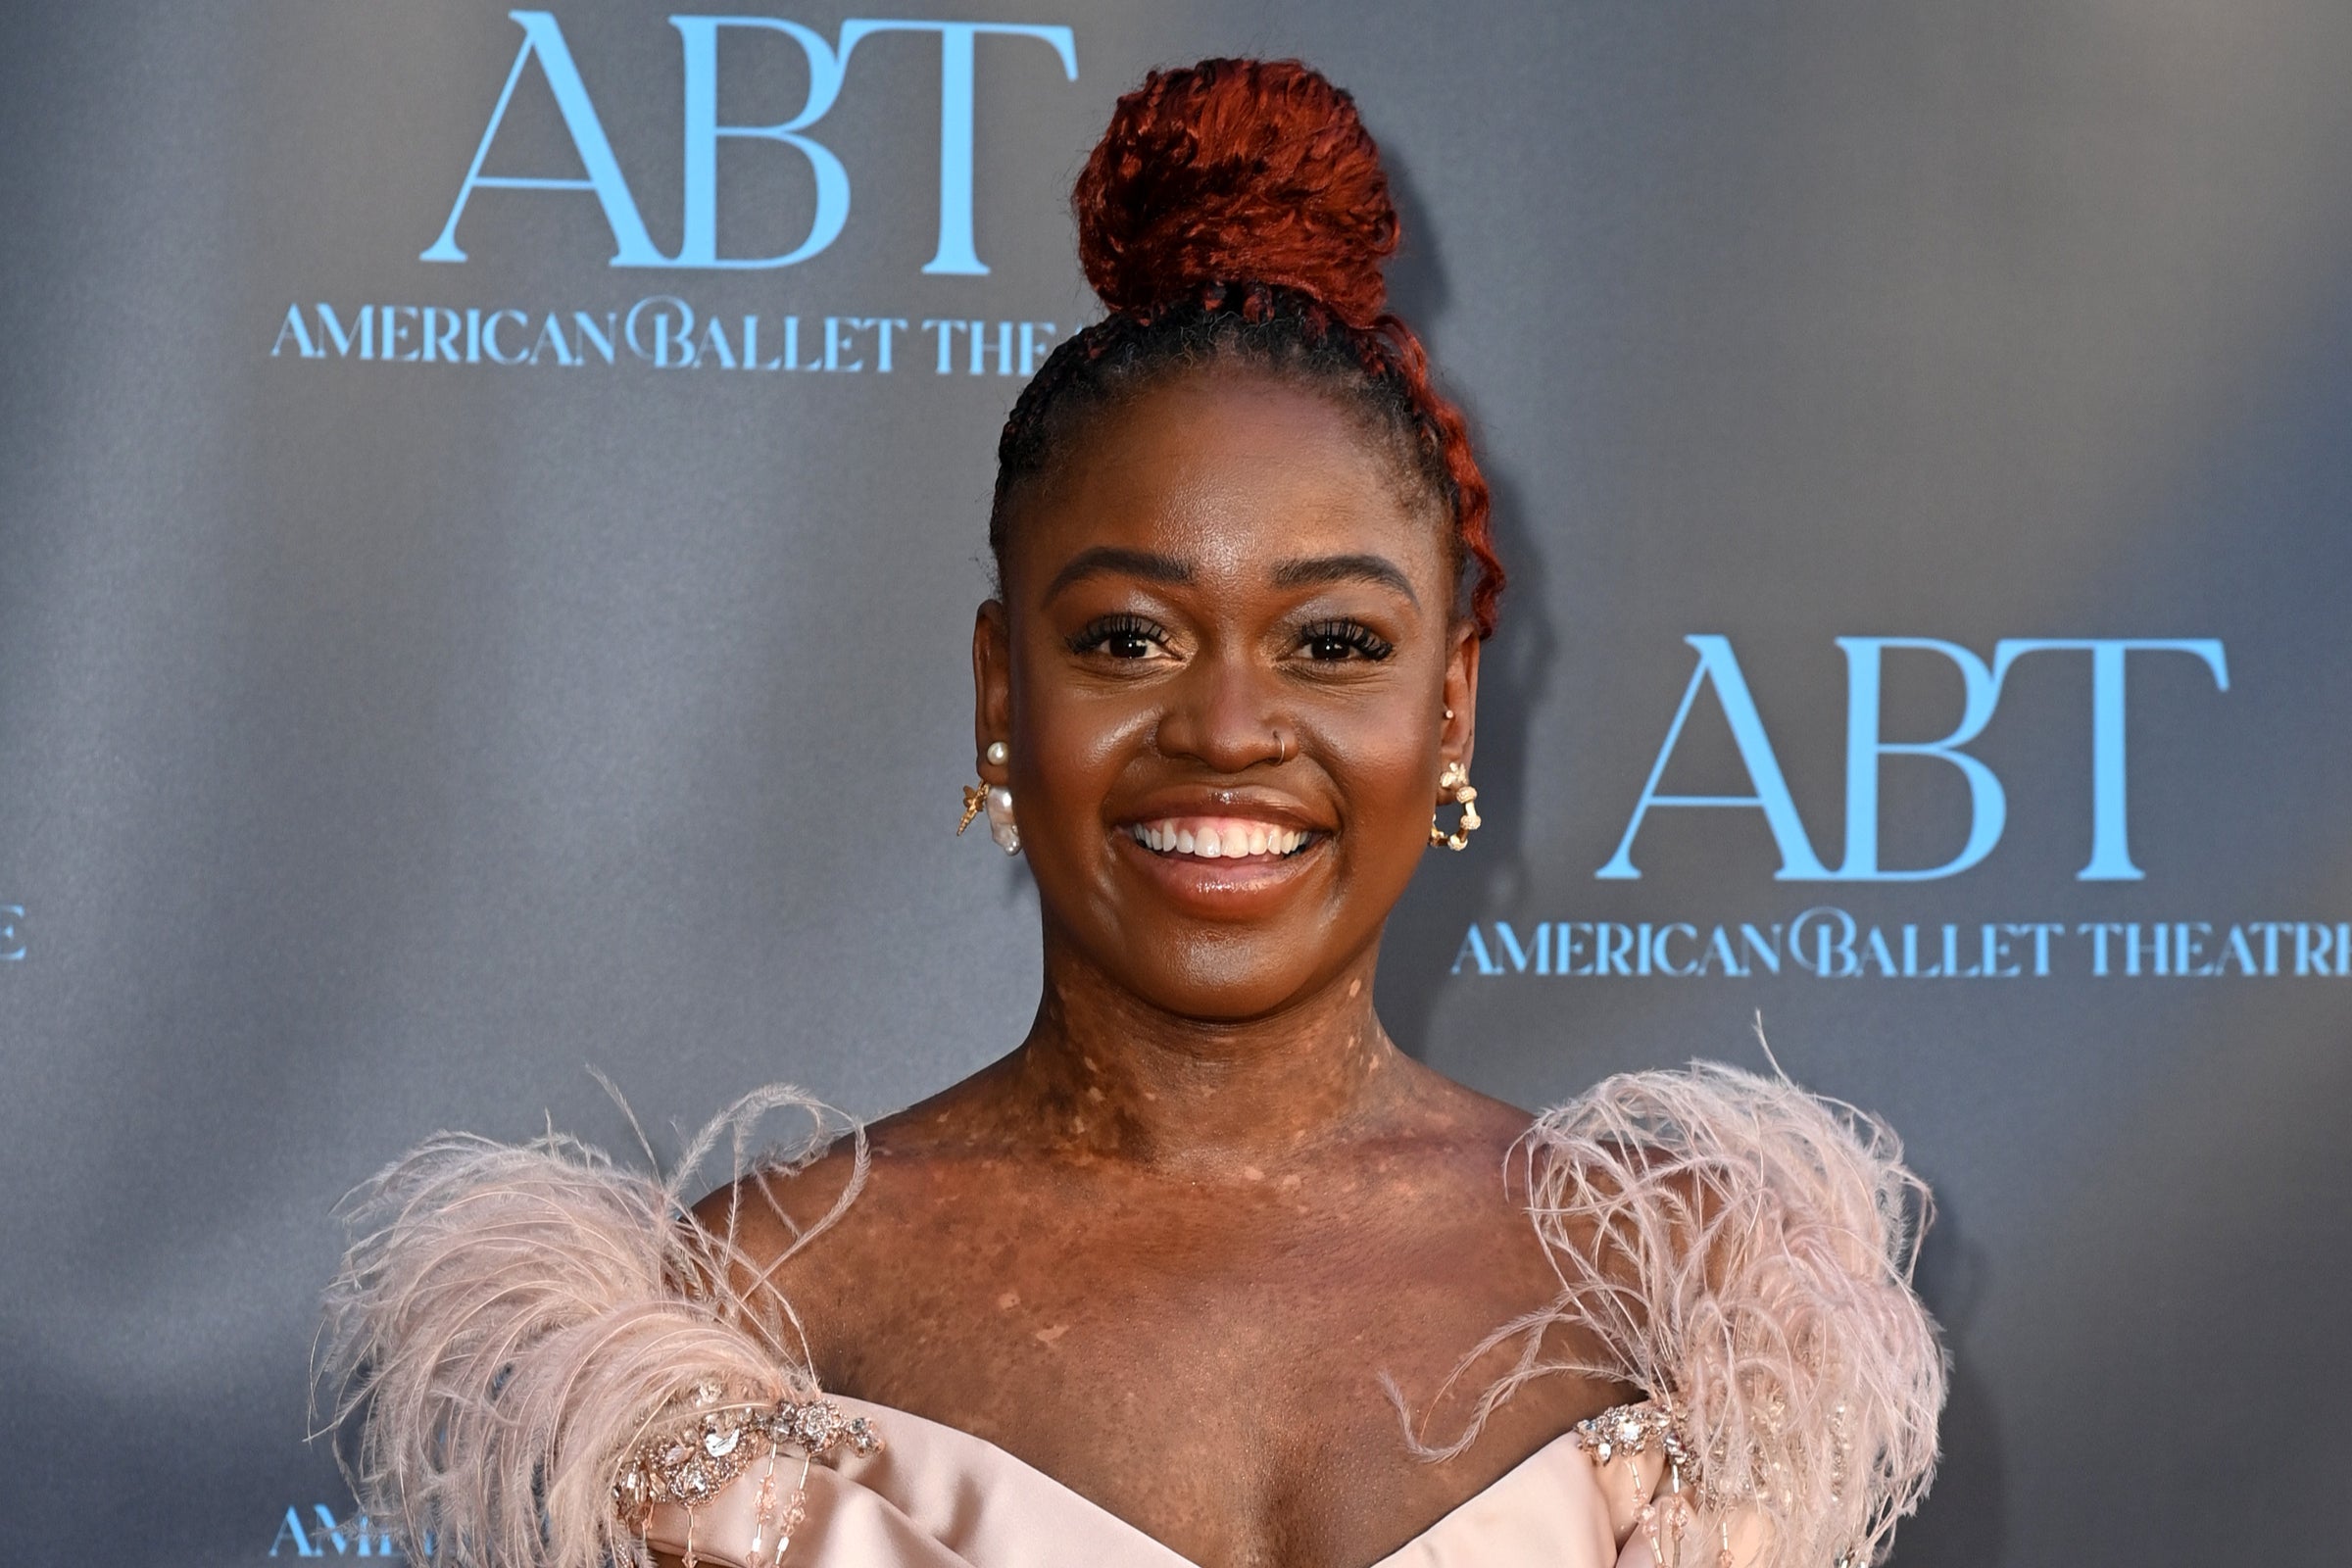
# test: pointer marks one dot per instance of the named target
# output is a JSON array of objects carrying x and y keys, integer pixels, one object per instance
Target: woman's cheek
[{"x": 1379, "y": 773}]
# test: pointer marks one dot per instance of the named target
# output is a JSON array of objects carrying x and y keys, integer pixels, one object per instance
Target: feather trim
[
  {"x": 1742, "y": 1250},
  {"x": 511, "y": 1320}
]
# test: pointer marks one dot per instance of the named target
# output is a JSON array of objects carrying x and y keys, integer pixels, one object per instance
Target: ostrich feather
[
  {"x": 511, "y": 1320},
  {"x": 1742, "y": 1250}
]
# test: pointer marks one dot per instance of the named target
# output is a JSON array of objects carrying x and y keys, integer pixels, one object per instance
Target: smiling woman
[{"x": 1205, "y": 1270}]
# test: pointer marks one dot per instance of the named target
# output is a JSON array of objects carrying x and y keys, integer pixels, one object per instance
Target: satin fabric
[{"x": 939, "y": 1498}]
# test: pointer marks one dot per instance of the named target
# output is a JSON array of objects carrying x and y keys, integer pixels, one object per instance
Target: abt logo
[
  {"x": 828, "y": 66},
  {"x": 1989, "y": 806}
]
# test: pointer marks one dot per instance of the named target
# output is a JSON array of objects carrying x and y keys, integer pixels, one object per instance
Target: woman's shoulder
[
  {"x": 1742, "y": 1249},
  {"x": 511, "y": 1320}
]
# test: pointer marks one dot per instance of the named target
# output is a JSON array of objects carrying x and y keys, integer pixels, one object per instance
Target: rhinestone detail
[
  {"x": 1637, "y": 1429},
  {"x": 689, "y": 1462}
]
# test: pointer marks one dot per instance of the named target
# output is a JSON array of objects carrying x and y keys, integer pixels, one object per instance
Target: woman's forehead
[{"x": 1227, "y": 470}]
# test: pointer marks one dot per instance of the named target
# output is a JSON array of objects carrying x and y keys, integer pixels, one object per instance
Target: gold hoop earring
[{"x": 1454, "y": 784}]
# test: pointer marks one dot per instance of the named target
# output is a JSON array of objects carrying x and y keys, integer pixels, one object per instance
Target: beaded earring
[{"x": 1454, "y": 784}]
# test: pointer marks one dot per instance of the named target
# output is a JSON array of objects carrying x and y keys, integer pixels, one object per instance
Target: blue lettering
[
  {"x": 1719, "y": 664},
  {"x": 673, "y": 330},
  {"x": 882, "y": 326},
  {"x": 946, "y": 331},
  {"x": 290, "y": 1533},
  {"x": 593, "y": 336},
  {"x": 1988, "y": 807},
  {"x": 330, "y": 327},
  {"x": 2236, "y": 948},
  {"x": 490, "y": 345},
  {"x": 544, "y": 38},
  {"x": 1474, "y": 948},
  {"x": 1539, "y": 949},
  {"x": 551, "y": 337},
  {"x": 751, "y": 348},
  {"x": 834, "y": 345},
  {"x": 299, "y": 330},
  {"x": 956, "y": 254},
  {"x": 2110, "y": 822},
  {"x": 440, "y": 329},
  {"x": 1832, "y": 932},
  {"x": 396, "y": 330},
  {"x": 714, "y": 343},
  {"x": 699, "y": 242}
]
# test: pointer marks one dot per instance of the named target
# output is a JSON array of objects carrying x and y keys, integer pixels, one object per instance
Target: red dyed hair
[{"x": 1238, "y": 207}]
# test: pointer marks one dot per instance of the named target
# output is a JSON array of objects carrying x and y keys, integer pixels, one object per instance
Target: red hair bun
[{"x": 1236, "y": 171}]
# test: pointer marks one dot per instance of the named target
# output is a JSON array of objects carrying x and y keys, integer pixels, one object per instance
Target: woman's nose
[{"x": 1224, "y": 714}]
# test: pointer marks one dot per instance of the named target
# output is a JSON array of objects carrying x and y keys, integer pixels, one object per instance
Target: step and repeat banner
[{"x": 492, "y": 503}]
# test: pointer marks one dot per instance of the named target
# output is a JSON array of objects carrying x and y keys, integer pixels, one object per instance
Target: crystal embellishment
[
  {"x": 690, "y": 1459},
  {"x": 818, "y": 1423},
  {"x": 1637, "y": 1429}
]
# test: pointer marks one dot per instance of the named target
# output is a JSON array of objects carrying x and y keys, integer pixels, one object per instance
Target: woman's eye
[
  {"x": 1329, "y": 641},
  {"x": 1121, "y": 637}
]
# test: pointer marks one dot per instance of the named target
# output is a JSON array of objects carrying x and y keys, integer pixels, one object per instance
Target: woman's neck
[{"x": 1104, "y": 1075}]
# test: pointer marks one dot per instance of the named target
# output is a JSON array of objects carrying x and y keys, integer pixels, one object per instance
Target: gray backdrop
[{"x": 383, "y": 741}]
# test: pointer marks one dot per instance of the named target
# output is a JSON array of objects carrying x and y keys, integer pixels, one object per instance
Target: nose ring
[{"x": 1282, "y": 747}]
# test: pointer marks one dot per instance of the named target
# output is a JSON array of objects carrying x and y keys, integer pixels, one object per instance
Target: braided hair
[{"x": 1236, "y": 212}]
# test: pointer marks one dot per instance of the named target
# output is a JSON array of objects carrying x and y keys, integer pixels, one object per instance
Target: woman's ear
[
  {"x": 992, "y": 686},
  {"x": 1459, "y": 733}
]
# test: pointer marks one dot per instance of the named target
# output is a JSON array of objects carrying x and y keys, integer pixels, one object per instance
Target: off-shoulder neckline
[{"x": 1540, "y": 1471}]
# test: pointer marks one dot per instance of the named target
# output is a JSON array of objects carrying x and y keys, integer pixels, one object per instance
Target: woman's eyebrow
[
  {"x": 1344, "y": 569},
  {"x": 1102, "y": 559}
]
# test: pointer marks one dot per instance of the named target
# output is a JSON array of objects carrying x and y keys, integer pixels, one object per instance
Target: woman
[{"x": 1206, "y": 1270}]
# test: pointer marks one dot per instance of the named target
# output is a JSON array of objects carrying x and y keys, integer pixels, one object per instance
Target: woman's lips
[{"x": 1218, "y": 838}]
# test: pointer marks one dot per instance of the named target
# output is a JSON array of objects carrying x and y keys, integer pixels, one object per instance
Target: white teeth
[{"x": 1232, "y": 842}]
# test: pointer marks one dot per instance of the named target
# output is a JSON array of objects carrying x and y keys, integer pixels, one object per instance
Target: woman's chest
[{"x": 1223, "y": 1382}]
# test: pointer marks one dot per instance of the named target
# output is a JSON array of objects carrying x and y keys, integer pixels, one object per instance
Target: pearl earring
[
  {"x": 1000, "y": 825},
  {"x": 996, "y": 800},
  {"x": 1454, "y": 784}
]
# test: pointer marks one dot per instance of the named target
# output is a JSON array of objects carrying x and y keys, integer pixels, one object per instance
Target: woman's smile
[
  {"x": 1211, "y": 838},
  {"x": 1229, "y": 867}
]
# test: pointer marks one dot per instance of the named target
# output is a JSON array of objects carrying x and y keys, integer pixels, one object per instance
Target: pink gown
[
  {"x": 938, "y": 1497},
  {"x": 546, "y": 1365}
]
